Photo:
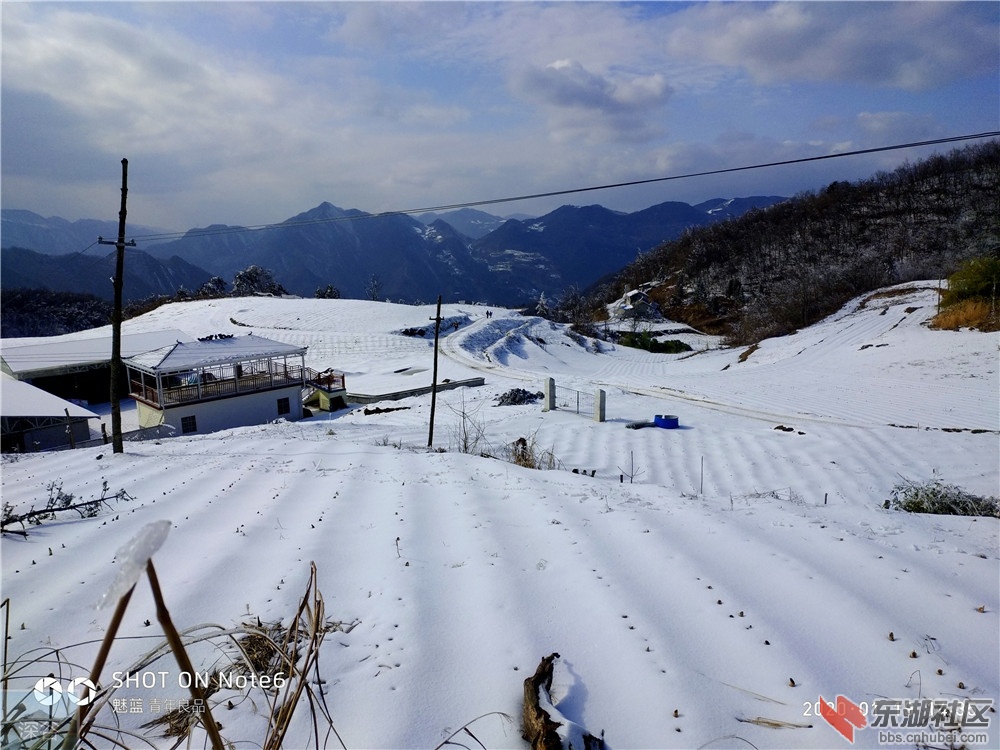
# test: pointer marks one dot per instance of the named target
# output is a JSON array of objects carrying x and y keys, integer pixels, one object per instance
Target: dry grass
[
  {"x": 281, "y": 659},
  {"x": 528, "y": 453},
  {"x": 178, "y": 722},
  {"x": 969, "y": 313},
  {"x": 936, "y": 497},
  {"x": 746, "y": 354}
]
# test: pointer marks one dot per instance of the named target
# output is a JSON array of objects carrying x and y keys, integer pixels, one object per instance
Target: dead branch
[{"x": 36, "y": 516}]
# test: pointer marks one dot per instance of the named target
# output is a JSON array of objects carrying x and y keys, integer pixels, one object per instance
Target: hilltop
[
  {"x": 769, "y": 272},
  {"x": 704, "y": 587}
]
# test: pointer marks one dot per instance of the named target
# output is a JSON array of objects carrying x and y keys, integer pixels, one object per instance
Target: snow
[
  {"x": 181, "y": 355},
  {"x": 21, "y": 399},
  {"x": 132, "y": 559},
  {"x": 40, "y": 354},
  {"x": 739, "y": 558}
]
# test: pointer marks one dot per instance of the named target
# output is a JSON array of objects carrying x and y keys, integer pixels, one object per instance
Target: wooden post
[
  {"x": 434, "y": 377},
  {"x": 116, "y": 317},
  {"x": 69, "y": 429},
  {"x": 116, "y": 322}
]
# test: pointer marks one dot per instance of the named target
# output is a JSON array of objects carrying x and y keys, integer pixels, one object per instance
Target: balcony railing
[
  {"x": 212, "y": 387},
  {"x": 328, "y": 380}
]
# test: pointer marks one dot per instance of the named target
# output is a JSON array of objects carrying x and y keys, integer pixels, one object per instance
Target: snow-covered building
[
  {"x": 636, "y": 304},
  {"x": 33, "y": 420},
  {"x": 73, "y": 366},
  {"x": 218, "y": 382}
]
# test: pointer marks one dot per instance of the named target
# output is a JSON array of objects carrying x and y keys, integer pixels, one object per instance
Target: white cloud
[
  {"x": 906, "y": 45},
  {"x": 567, "y": 83},
  {"x": 249, "y": 113},
  {"x": 888, "y": 127},
  {"x": 598, "y": 108}
]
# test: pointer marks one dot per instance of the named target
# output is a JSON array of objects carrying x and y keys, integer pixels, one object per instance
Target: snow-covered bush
[{"x": 935, "y": 496}]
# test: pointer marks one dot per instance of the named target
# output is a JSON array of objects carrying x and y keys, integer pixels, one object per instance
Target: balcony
[{"x": 187, "y": 387}]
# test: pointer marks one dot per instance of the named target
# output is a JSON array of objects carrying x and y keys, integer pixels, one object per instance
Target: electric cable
[{"x": 553, "y": 193}]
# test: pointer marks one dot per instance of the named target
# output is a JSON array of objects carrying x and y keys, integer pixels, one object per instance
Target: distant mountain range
[
  {"x": 145, "y": 275},
  {"x": 54, "y": 236},
  {"x": 464, "y": 254},
  {"x": 468, "y": 221}
]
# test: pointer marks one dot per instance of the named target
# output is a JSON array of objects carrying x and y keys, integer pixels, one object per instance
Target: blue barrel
[{"x": 668, "y": 421}]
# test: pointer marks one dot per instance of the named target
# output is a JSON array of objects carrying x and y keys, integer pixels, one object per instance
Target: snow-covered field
[{"x": 744, "y": 572}]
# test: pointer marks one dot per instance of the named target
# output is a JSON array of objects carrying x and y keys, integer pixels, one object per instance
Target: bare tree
[{"x": 373, "y": 289}]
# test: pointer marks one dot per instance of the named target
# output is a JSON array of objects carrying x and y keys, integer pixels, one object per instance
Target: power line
[{"x": 571, "y": 191}]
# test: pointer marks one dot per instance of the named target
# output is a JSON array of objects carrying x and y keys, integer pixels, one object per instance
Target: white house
[
  {"x": 35, "y": 420},
  {"x": 636, "y": 304},
  {"x": 218, "y": 382},
  {"x": 76, "y": 366}
]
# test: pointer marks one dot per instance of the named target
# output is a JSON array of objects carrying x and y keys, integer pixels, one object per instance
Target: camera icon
[{"x": 49, "y": 691}]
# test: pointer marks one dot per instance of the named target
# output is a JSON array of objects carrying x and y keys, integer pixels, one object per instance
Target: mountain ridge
[
  {"x": 55, "y": 235},
  {"x": 403, "y": 258}
]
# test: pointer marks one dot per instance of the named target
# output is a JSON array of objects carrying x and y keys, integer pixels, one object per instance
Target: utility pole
[
  {"x": 434, "y": 377},
  {"x": 116, "y": 318}
]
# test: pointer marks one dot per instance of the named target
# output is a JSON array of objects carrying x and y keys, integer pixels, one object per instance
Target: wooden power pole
[
  {"x": 116, "y": 318},
  {"x": 434, "y": 377}
]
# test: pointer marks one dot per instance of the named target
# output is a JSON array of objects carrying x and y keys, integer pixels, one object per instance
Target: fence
[
  {"x": 131, "y": 436},
  {"x": 592, "y": 405},
  {"x": 569, "y": 399}
]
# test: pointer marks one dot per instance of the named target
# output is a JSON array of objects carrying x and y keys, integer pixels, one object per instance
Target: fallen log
[{"x": 538, "y": 726}]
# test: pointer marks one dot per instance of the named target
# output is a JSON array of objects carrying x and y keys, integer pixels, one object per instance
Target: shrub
[
  {"x": 969, "y": 313},
  {"x": 329, "y": 292},
  {"x": 528, "y": 453},
  {"x": 645, "y": 340},
  {"x": 978, "y": 278},
  {"x": 673, "y": 346},
  {"x": 469, "y": 433},
  {"x": 934, "y": 496}
]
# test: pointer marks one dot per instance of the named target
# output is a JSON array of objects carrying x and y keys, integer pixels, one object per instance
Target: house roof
[
  {"x": 187, "y": 355},
  {"x": 70, "y": 353},
  {"x": 18, "y": 399}
]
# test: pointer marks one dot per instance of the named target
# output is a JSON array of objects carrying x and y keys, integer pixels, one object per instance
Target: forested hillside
[
  {"x": 40, "y": 312},
  {"x": 774, "y": 270}
]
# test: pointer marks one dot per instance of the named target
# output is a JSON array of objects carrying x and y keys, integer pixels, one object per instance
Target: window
[
  {"x": 189, "y": 424},
  {"x": 283, "y": 406}
]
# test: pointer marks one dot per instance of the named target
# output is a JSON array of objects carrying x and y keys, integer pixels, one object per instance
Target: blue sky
[{"x": 249, "y": 113}]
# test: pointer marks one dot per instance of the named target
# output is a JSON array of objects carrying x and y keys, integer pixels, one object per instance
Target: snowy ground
[{"x": 684, "y": 604}]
